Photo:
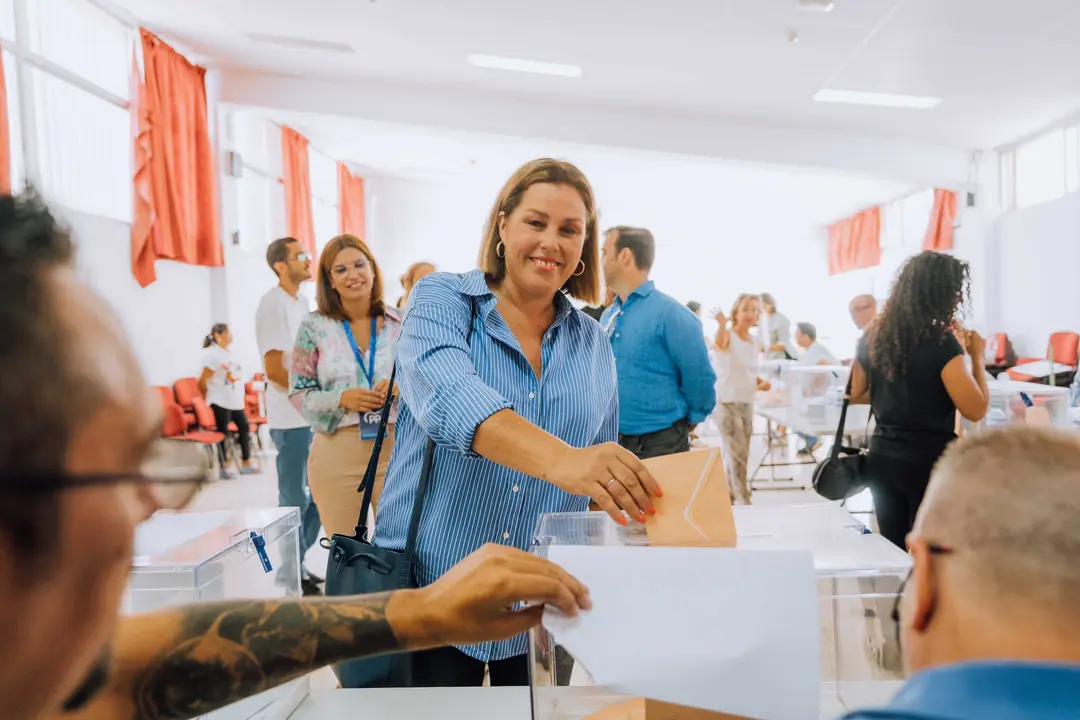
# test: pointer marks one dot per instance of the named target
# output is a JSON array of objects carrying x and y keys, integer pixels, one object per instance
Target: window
[
  {"x": 324, "y": 200},
  {"x": 84, "y": 149},
  {"x": 1040, "y": 169},
  {"x": 14, "y": 106},
  {"x": 84, "y": 40},
  {"x": 7, "y": 19}
]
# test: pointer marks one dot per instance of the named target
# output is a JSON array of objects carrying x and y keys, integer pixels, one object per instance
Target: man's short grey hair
[
  {"x": 808, "y": 330},
  {"x": 1008, "y": 502}
]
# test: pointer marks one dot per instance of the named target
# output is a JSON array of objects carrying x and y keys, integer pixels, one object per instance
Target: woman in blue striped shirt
[{"x": 518, "y": 390}]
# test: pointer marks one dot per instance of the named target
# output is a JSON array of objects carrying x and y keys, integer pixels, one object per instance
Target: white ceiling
[
  {"x": 1003, "y": 67},
  {"x": 483, "y": 162}
]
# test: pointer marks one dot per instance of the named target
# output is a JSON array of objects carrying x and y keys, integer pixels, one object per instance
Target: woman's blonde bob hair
[{"x": 584, "y": 287}]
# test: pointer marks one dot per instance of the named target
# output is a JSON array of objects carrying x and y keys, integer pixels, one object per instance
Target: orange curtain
[
  {"x": 5, "y": 136},
  {"x": 939, "y": 234},
  {"x": 351, "y": 203},
  {"x": 176, "y": 214},
  {"x": 855, "y": 242},
  {"x": 296, "y": 172}
]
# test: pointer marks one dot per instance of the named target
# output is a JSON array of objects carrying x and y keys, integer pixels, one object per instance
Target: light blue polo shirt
[{"x": 986, "y": 691}]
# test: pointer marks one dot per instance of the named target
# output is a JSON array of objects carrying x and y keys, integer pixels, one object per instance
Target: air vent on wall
[{"x": 300, "y": 43}]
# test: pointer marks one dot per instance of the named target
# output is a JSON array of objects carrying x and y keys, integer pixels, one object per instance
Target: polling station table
[
  {"x": 775, "y": 416},
  {"x": 500, "y": 703}
]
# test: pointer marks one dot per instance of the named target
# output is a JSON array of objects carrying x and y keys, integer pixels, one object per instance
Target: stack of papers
[{"x": 733, "y": 631}]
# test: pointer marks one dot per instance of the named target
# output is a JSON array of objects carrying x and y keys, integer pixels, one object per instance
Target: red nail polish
[
  {"x": 641, "y": 518},
  {"x": 622, "y": 521},
  {"x": 652, "y": 509},
  {"x": 659, "y": 492}
]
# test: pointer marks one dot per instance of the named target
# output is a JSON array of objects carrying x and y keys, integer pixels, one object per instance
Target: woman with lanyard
[
  {"x": 340, "y": 374},
  {"x": 518, "y": 391}
]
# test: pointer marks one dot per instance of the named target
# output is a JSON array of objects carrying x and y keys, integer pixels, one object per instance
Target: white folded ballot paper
[{"x": 732, "y": 631}]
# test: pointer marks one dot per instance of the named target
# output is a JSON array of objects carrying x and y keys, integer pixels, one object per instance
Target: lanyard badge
[{"x": 369, "y": 421}]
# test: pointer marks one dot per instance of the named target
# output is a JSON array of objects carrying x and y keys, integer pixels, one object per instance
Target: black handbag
[
  {"x": 843, "y": 473},
  {"x": 356, "y": 567}
]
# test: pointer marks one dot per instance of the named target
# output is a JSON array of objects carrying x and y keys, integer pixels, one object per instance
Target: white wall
[
  {"x": 1037, "y": 259},
  {"x": 166, "y": 321},
  {"x": 708, "y": 250}
]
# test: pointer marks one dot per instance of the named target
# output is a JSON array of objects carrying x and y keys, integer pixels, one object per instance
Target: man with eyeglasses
[
  {"x": 990, "y": 617},
  {"x": 82, "y": 463},
  {"x": 281, "y": 313}
]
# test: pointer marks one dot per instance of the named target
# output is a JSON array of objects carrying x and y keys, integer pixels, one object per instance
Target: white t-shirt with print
[
  {"x": 277, "y": 321},
  {"x": 737, "y": 370},
  {"x": 221, "y": 390}
]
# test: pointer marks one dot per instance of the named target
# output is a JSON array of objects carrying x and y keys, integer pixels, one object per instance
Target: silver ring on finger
[{"x": 612, "y": 480}]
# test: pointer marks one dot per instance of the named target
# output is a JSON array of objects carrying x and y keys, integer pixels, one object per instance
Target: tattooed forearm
[{"x": 224, "y": 652}]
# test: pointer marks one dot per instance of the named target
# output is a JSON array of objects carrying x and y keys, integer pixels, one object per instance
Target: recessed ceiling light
[
  {"x": 528, "y": 66},
  {"x": 817, "y": 5},
  {"x": 854, "y": 97}
]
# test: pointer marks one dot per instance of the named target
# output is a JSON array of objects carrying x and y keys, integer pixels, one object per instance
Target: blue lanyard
[{"x": 369, "y": 371}]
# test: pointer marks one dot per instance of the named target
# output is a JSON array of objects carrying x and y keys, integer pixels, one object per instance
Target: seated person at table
[
  {"x": 86, "y": 464},
  {"x": 990, "y": 616},
  {"x": 811, "y": 353}
]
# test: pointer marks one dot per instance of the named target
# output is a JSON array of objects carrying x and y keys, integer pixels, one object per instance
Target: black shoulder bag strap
[
  {"x": 367, "y": 485},
  {"x": 834, "y": 451}
]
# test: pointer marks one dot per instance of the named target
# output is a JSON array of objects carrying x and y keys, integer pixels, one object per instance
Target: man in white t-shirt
[
  {"x": 812, "y": 352},
  {"x": 281, "y": 312}
]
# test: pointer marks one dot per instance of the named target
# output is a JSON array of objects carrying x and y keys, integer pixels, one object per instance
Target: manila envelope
[
  {"x": 645, "y": 709},
  {"x": 696, "y": 507}
]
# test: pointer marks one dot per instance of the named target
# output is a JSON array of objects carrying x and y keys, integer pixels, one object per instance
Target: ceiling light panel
[
  {"x": 494, "y": 62},
  {"x": 854, "y": 97}
]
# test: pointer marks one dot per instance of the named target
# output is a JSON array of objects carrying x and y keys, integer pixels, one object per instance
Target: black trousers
[
  {"x": 222, "y": 417},
  {"x": 449, "y": 667},
  {"x": 675, "y": 439},
  {"x": 898, "y": 486}
]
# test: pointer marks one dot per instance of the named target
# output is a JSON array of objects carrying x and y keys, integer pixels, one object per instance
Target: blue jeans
[{"x": 292, "y": 446}]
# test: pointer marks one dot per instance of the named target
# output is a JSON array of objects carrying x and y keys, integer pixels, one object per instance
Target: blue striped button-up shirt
[{"x": 459, "y": 364}]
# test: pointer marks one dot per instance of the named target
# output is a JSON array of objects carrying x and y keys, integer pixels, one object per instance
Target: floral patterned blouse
[{"x": 323, "y": 367}]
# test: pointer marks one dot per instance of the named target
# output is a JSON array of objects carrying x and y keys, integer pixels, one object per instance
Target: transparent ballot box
[
  {"x": 1014, "y": 403},
  {"x": 816, "y": 392},
  {"x": 192, "y": 557},
  {"x": 859, "y": 575},
  {"x": 776, "y": 373}
]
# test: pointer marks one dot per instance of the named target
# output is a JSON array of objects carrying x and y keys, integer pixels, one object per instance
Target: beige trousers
[{"x": 336, "y": 467}]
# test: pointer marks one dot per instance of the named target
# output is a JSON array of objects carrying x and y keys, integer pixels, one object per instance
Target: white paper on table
[
  {"x": 1041, "y": 368},
  {"x": 734, "y": 631}
]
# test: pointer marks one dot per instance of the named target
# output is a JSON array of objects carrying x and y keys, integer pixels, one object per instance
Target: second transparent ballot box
[
  {"x": 1021, "y": 403},
  {"x": 776, "y": 373},
  {"x": 192, "y": 557},
  {"x": 816, "y": 392},
  {"x": 859, "y": 576}
]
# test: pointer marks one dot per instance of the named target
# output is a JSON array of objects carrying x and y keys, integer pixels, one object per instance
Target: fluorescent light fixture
[
  {"x": 854, "y": 97},
  {"x": 528, "y": 66}
]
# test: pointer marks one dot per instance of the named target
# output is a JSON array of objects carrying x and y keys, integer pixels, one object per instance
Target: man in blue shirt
[
  {"x": 665, "y": 378},
  {"x": 990, "y": 616}
]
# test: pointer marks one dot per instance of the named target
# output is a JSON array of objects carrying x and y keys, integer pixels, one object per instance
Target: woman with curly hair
[{"x": 911, "y": 369}]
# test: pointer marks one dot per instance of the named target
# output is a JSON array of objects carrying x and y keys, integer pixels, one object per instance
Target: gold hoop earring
[
  {"x": 580, "y": 272},
  {"x": 503, "y": 247}
]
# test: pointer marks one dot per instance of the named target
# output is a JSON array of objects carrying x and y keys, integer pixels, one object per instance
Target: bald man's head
[
  {"x": 996, "y": 547},
  {"x": 1008, "y": 502},
  {"x": 863, "y": 309}
]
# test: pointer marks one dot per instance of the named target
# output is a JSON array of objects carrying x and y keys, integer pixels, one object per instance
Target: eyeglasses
[
  {"x": 174, "y": 471},
  {"x": 342, "y": 270},
  {"x": 934, "y": 550},
  {"x": 303, "y": 257}
]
